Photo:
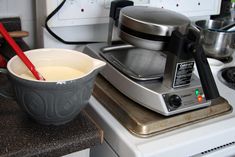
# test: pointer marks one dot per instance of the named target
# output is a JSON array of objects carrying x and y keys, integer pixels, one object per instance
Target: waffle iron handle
[
  {"x": 204, "y": 71},
  {"x": 115, "y": 8}
]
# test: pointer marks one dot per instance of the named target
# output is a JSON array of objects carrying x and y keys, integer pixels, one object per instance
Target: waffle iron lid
[{"x": 151, "y": 20}]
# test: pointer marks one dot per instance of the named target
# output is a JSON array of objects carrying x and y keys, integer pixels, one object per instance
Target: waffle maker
[{"x": 154, "y": 65}]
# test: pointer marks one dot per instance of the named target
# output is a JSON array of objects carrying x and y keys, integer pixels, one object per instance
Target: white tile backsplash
[
  {"x": 30, "y": 27},
  {"x": 25, "y": 9},
  {"x": 3, "y": 6}
]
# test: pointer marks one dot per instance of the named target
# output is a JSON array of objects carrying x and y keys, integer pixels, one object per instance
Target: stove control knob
[{"x": 174, "y": 101}]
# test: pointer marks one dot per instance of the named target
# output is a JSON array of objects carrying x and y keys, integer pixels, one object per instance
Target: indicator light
[
  {"x": 197, "y": 92},
  {"x": 199, "y": 98}
]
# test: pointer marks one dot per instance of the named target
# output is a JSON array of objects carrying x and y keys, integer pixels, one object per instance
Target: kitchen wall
[{"x": 25, "y": 9}]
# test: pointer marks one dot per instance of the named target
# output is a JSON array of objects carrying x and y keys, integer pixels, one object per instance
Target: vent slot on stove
[{"x": 214, "y": 149}]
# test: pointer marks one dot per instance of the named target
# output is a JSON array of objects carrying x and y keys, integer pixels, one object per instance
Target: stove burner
[{"x": 227, "y": 76}]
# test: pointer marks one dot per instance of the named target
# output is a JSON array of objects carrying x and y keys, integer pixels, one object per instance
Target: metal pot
[{"x": 216, "y": 43}]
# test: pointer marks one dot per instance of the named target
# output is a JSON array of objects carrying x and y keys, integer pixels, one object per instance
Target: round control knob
[{"x": 174, "y": 101}]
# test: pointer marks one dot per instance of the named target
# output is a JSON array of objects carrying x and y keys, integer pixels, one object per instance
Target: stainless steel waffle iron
[{"x": 154, "y": 67}]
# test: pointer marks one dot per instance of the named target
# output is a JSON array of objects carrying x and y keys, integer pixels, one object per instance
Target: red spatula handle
[{"x": 19, "y": 52}]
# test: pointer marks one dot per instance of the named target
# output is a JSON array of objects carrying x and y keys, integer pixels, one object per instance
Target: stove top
[
  {"x": 142, "y": 122},
  {"x": 226, "y": 60},
  {"x": 224, "y": 75},
  {"x": 227, "y": 76},
  {"x": 188, "y": 140}
]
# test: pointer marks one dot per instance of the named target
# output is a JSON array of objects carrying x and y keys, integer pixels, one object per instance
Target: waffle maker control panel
[{"x": 181, "y": 100}]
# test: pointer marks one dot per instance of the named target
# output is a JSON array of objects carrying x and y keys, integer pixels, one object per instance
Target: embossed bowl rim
[{"x": 58, "y": 56}]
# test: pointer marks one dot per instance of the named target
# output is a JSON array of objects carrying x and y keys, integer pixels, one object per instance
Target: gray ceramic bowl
[{"x": 54, "y": 102}]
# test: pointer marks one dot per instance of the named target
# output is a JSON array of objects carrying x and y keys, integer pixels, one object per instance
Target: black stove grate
[
  {"x": 226, "y": 59},
  {"x": 228, "y": 75}
]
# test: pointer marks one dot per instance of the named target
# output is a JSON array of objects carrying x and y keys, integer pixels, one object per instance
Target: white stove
[
  {"x": 214, "y": 138},
  {"x": 224, "y": 90}
]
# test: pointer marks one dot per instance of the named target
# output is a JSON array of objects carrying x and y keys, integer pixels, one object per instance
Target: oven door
[{"x": 223, "y": 150}]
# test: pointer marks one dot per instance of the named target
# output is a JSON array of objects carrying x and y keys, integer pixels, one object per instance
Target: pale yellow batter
[{"x": 55, "y": 73}]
